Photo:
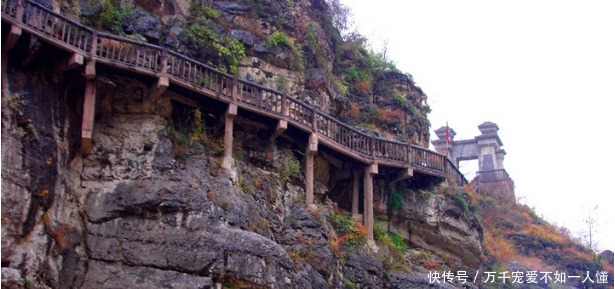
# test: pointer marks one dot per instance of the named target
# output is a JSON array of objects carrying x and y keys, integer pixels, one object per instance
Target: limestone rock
[
  {"x": 436, "y": 223},
  {"x": 114, "y": 275},
  {"x": 143, "y": 23}
]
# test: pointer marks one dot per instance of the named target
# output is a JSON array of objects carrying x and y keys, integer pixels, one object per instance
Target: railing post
[
  {"x": 94, "y": 43},
  {"x": 284, "y": 112},
  {"x": 314, "y": 119},
  {"x": 373, "y": 146},
  {"x": 407, "y": 153},
  {"x": 234, "y": 88},
  {"x": 19, "y": 11},
  {"x": 164, "y": 60}
]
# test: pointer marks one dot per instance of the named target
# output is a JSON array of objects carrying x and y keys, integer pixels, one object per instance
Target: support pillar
[
  {"x": 230, "y": 114},
  {"x": 309, "y": 169},
  {"x": 368, "y": 187},
  {"x": 355, "y": 193},
  {"x": 87, "y": 122}
]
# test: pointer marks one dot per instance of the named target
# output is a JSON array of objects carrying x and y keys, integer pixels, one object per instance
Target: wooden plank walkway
[{"x": 170, "y": 67}]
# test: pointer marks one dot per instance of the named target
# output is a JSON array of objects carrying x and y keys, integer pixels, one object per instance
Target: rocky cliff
[{"x": 150, "y": 207}]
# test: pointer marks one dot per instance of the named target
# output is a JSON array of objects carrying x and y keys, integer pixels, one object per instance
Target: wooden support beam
[
  {"x": 12, "y": 38},
  {"x": 279, "y": 129},
  {"x": 312, "y": 148},
  {"x": 158, "y": 88},
  {"x": 73, "y": 61},
  {"x": 251, "y": 122},
  {"x": 90, "y": 69},
  {"x": 332, "y": 160},
  {"x": 231, "y": 112},
  {"x": 368, "y": 193},
  {"x": 87, "y": 122},
  {"x": 373, "y": 168},
  {"x": 313, "y": 143},
  {"x": 355, "y": 193},
  {"x": 404, "y": 174},
  {"x": 182, "y": 99}
]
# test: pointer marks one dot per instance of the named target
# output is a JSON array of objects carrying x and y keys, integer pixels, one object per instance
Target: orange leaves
[
  {"x": 432, "y": 265},
  {"x": 392, "y": 116},
  {"x": 500, "y": 247},
  {"x": 211, "y": 195},
  {"x": 361, "y": 228},
  {"x": 43, "y": 193},
  {"x": 59, "y": 234},
  {"x": 354, "y": 112},
  {"x": 363, "y": 87},
  {"x": 357, "y": 232}
]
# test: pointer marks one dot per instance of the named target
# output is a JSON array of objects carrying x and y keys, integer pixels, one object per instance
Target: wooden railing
[
  {"x": 154, "y": 60},
  {"x": 454, "y": 174}
]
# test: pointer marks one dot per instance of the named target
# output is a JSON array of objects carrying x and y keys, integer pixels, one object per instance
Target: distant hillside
[{"x": 516, "y": 239}]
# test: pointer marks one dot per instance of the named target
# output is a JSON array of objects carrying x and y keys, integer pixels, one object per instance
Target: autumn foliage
[{"x": 513, "y": 233}]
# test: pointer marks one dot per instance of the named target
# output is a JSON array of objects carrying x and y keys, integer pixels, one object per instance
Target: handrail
[{"x": 149, "y": 58}]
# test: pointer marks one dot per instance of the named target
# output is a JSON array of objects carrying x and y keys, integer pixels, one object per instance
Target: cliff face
[{"x": 150, "y": 207}]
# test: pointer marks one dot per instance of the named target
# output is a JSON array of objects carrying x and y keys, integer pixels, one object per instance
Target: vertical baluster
[
  {"x": 63, "y": 30},
  {"x": 139, "y": 56},
  {"x": 66, "y": 35},
  {"x": 54, "y": 27},
  {"x": 114, "y": 49},
  {"x": 67, "y": 39},
  {"x": 80, "y": 43},
  {"x": 182, "y": 69},
  {"x": 75, "y": 36},
  {"x": 126, "y": 53},
  {"x": 44, "y": 23}
]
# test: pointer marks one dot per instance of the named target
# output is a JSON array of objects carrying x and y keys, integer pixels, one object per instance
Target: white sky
[{"x": 544, "y": 71}]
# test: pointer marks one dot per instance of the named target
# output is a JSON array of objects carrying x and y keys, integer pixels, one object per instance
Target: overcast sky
[{"x": 544, "y": 71}]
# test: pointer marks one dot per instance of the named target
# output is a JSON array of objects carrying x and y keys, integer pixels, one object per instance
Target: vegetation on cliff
[
  {"x": 337, "y": 73},
  {"x": 517, "y": 239}
]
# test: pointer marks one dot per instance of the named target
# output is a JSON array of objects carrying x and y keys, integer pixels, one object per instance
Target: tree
[{"x": 589, "y": 236}]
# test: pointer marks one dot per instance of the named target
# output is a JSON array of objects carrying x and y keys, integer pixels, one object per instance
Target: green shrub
[
  {"x": 282, "y": 83},
  {"x": 199, "y": 9},
  {"x": 111, "y": 16},
  {"x": 279, "y": 38},
  {"x": 311, "y": 34},
  {"x": 401, "y": 101},
  {"x": 351, "y": 285},
  {"x": 201, "y": 31},
  {"x": 380, "y": 234},
  {"x": 398, "y": 242},
  {"x": 290, "y": 168},
  {"x": 461, "y": 203},
  {"x": 198, "y": 127},
  {"x": 396, "y": 201},
  {"x": 342, "y": 224}
]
